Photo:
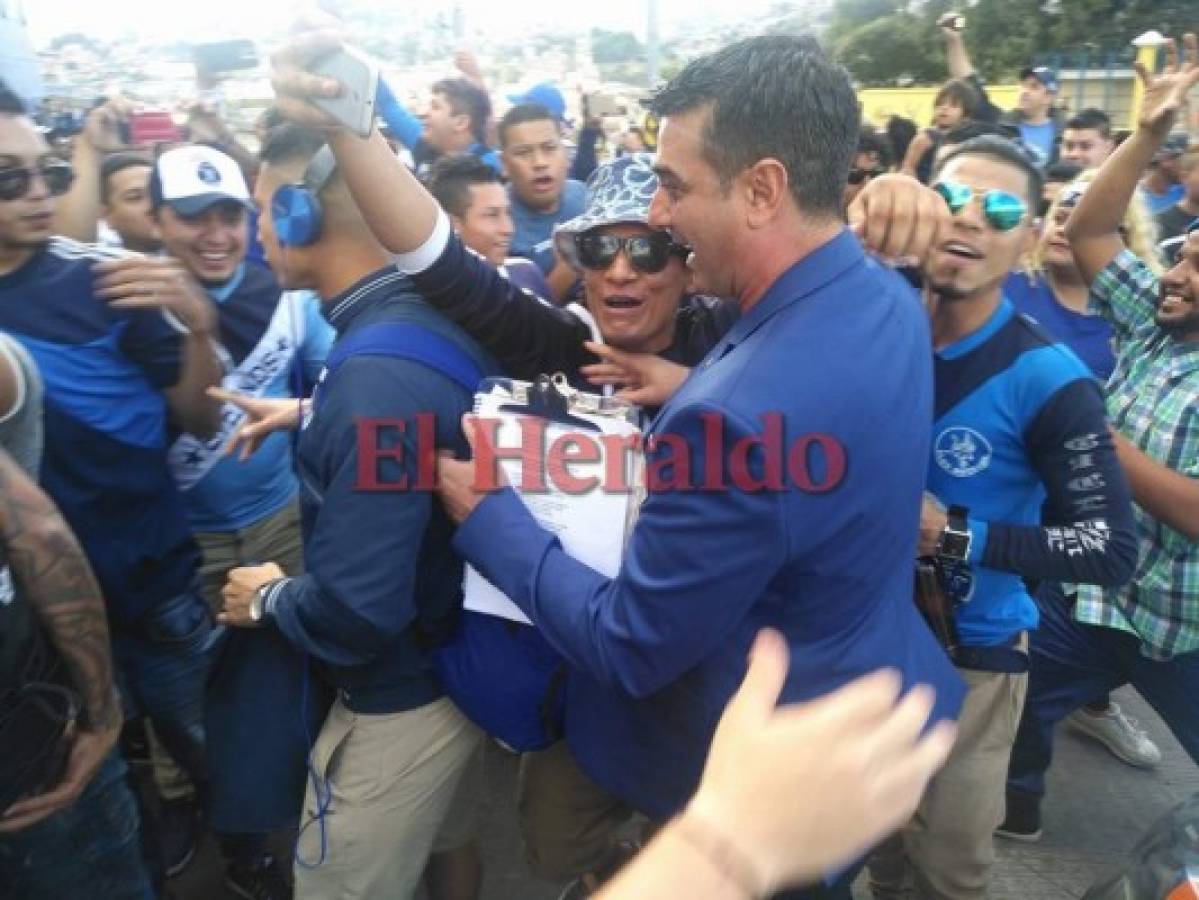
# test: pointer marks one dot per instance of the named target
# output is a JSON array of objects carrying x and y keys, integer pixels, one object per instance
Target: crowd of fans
[{"x": 987, "y": 328}]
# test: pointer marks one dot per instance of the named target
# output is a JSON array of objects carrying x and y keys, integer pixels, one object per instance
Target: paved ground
[{"x": 1097, "y": 807}]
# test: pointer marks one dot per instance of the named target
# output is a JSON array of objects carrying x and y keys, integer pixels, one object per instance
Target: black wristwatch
[{"x": 954, "y": 546}]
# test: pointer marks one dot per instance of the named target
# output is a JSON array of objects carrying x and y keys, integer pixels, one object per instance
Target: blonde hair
[{"x": 1139, "y": 225}]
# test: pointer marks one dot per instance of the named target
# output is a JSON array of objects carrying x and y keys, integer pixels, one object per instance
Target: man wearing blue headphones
[{"x": 394, "y": 755}]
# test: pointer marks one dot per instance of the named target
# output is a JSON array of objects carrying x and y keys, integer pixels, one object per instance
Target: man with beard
[
  {"x": 1019, "y": 438},
  {"x": 1146, "y": 633}
]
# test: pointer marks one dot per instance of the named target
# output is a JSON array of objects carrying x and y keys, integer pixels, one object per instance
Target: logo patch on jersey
[
  {"x": 962, "y": 451},
  {"x": 207, "y": 173}
]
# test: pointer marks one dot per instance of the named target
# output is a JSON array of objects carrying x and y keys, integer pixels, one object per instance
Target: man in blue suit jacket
[
  {"x": 830, "y": 360},
  {"x": 753, "y": 157}
]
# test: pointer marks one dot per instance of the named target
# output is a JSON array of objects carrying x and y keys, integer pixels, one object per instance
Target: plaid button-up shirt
[{"x": 1153, "y": 400}]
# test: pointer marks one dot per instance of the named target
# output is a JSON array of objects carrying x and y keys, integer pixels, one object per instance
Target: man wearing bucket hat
[{"x": 636, "y": 285}]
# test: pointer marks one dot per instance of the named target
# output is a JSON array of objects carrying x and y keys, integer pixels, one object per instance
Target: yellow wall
[
  {"x": 916, "y": 103},
  {"x": 1119, "y": 93}
]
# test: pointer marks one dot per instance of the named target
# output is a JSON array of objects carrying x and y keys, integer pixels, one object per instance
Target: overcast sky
[{"x": 212, "y": 19}]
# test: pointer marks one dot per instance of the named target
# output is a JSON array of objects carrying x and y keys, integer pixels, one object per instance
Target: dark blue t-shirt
[
  {"x": 1090, "y": 337},
  {"x": 105, "y": 423},
  {"x": 533, "y": 238}
]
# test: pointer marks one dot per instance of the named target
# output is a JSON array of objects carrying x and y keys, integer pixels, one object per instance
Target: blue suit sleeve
[
  {"x": 695, "y": 563},
  {"x": 362, "y": 549},
  {"x": 1088, "y": 535},
  {"x": 403, "y": 124}
]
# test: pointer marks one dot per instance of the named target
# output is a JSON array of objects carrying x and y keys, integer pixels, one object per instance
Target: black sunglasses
[
  {"x": 15, "y": 181},
  {"x": 857, "y": 176},
  {"x": 648, "y": 253}
]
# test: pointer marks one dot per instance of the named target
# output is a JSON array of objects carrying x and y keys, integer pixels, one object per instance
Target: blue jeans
[
  {"x": 1070, "y": 664},
  {"x": 163, "y": 665},
  {"x": 88, "y": 850}
]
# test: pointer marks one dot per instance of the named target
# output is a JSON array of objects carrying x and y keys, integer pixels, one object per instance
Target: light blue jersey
[{"x": 277, "y": 343}]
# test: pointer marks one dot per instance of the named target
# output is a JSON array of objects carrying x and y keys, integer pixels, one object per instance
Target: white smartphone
[{"x": 359, "y": 79}]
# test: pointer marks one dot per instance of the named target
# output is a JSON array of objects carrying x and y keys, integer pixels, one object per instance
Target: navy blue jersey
[
  {"x": 1020, "y": 430},
  {"x": 105, "y": 422}
]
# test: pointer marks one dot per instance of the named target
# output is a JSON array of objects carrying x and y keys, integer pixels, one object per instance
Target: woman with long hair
[{"x": 1051, "y": 290}]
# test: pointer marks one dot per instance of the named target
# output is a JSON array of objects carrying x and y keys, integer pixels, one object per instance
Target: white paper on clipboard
[{"x": 592, "y": 526}]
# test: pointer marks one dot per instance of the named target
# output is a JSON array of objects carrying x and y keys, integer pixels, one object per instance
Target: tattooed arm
[{"x": 50, "y": 570}]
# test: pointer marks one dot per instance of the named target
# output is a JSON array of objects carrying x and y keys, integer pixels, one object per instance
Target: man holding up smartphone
[{"x": 1039, "y": 123}]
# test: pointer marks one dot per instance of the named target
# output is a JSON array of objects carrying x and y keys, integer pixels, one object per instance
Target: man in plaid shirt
[{"x": 1147, "y": 632}]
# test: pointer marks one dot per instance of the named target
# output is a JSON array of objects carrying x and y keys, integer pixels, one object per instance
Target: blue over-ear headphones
[{"x": 296, "y": 208}]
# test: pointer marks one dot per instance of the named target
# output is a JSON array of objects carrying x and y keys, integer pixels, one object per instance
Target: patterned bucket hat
[{"x": 618, "y": 192}]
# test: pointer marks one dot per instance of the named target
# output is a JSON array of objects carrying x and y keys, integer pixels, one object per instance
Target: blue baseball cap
[
  {"x": 1043, "y": 74},
  {"x": 543, "y": 94}
]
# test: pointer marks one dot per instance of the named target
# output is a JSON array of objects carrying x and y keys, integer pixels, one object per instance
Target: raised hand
[
  {"x": 1166, "y": 93},
  {"x": 804, "y": 788},
  {"x": 949, "y": 24},
  {"x": 102, "y": 126},
  {"x": 467, "y": 63},
  {"x": 295, "y": 87}
]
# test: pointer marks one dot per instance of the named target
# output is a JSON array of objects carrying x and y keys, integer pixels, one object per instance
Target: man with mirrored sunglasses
[{"x": 1019, "y": 438}]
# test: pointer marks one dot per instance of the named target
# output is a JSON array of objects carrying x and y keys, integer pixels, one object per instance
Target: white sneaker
[{"x": 1120, "y": 734}]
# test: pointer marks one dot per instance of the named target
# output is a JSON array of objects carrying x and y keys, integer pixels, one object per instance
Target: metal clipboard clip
[{"x": 552, "y": 398}]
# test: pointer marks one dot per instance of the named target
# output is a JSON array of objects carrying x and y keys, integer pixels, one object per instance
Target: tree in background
[{"x": 894, "y": 42}]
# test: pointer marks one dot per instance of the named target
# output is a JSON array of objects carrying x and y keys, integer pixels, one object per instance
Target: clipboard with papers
[{"x": 592, "y": 524}]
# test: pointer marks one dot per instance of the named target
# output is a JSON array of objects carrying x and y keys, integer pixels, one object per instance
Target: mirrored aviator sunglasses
[
  {"x": 1002, "y": 210},
  {"x": 648, "y": 253},
  {"x": 15, "y": 181}
]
